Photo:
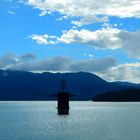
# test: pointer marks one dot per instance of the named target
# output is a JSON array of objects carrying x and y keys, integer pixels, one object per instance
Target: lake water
[{"x": 87, "y": 121}]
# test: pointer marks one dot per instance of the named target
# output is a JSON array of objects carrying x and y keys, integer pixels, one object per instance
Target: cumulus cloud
[
  {"x": 129, "y": 72},
  {"x": 89, "y": 20},
  {"x": 89, "y": 8},
  {"x": 131, "y": 42},
  {"x": 43, "y": 39},
  {"x": 103, "y": 38},
  {"x": 106, "y": 38}
]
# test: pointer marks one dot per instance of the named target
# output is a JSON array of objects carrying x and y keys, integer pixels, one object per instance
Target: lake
[{"x": 86, "y": 121}]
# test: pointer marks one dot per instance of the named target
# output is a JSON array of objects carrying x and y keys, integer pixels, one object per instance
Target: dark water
[{"x": 87, "y": 121}]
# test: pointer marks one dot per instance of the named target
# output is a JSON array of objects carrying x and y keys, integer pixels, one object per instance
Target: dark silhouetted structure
[{"x": 63, "y": 99}]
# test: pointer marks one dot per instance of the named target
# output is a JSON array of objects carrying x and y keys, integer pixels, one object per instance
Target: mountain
[
  {"x": 127, "y": 84},
  {"x": 20, "y": 85},
  {"x": 125, "y": 95}
]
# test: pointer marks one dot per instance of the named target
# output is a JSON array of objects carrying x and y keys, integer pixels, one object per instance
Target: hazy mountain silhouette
[
  {"x": 19, "y": 85},
  {"x": 127, "y": 84}
]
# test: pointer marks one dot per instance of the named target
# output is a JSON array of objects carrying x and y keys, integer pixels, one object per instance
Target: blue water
[{"x": 87, "y": 121}]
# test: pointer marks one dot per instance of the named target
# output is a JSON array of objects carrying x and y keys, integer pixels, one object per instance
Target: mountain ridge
[{"x": 21, "y": 85}]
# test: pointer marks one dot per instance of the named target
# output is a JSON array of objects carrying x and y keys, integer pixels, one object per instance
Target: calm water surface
[{"x": 87, "y": 121}]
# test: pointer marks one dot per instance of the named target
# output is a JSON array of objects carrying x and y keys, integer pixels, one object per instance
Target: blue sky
[{"x": 86, "y": 32}]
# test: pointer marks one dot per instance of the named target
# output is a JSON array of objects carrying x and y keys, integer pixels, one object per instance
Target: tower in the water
[{"x": 63, "y": 99}]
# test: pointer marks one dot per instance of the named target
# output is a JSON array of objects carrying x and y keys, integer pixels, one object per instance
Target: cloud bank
[{"x": 106, "y": 68}]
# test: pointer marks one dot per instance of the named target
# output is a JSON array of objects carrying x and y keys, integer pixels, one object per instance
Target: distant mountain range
[
  {"x": 127, "y": 84},
  {"x": 20, "y": 85}
]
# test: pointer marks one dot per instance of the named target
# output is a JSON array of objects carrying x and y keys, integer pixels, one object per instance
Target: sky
[{"x": 97, "y": 36}]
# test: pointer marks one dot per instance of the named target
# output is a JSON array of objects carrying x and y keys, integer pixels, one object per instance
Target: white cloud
[
  {"x": 89, "y": 20},
  {"x": 131, "y": 42},
  {"x": 43, "y": 39},
  {"x": 129, "y": 72},
  {"x": 131, "y": 65},
  {"x": 89, "y": 8},
  {"x": 11, "y": 12},
  {"x": 103, "y": 38},
  {"x": 109, "y": 38},
  {"x": 40, "y": 39},
  {"x": 89, "y": 55},
  {"x": 106, "y": 38},
  {"x": 43, "y": 13}
]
